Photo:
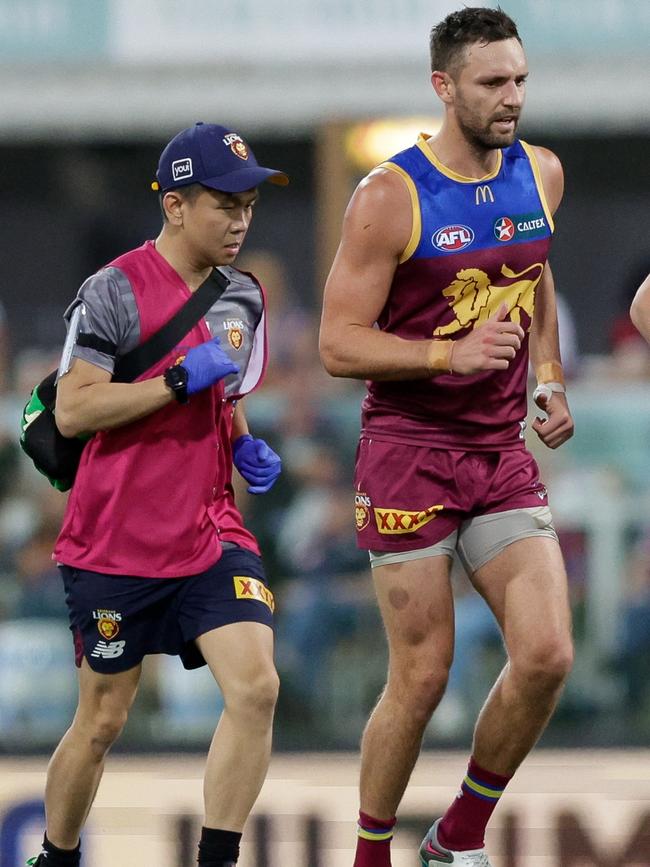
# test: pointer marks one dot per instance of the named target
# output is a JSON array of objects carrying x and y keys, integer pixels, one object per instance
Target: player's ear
[
  {"x": 443, "y": 84},
  {"x": 172, "y": 205}
]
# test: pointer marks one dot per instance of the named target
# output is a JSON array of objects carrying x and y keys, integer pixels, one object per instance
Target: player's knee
[
  {"x": 422, "y": 688},
  {"x": 546, "y": 664}
]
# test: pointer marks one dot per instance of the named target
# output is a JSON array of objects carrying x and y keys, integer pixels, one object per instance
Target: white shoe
[{"x": 432, "y": 852}]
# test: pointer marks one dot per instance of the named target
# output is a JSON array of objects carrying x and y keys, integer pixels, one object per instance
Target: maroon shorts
[{"x": 409, "y": 497}]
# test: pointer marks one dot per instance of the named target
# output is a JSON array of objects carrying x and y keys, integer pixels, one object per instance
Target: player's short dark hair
[
  {"x": 460, "y": 29},
  {"x": 189, "y": 193}
]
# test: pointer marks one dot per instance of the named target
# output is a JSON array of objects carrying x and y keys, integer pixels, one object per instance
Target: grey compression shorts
[{"x": 478, "y": 540}]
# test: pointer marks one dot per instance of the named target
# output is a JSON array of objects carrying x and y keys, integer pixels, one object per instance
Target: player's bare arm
[
  {"x": 544, "y": 338},
  {"x": 544, "y": 355},
  {"x": 88, "y": 401},
  {"x": 376, "y": 231},
  {"x": 640, "y": 309}
]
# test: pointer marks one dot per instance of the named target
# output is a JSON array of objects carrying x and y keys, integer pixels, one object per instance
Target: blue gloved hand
[
  {"x": 256, "y": 462},
  {"x": 206, "y": 364}
]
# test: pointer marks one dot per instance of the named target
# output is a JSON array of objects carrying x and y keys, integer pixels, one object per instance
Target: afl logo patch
[
  {"x": 504, "y": 229},
  {"x": 450, "y": 239}
]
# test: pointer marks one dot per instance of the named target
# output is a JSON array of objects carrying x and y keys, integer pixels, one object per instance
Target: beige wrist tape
[
  {"x": 551, "y": 371},
  {"x": 440, "y": 356}
]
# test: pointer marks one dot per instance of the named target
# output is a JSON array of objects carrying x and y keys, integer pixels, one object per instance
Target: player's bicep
[{"x": 376, "y": 229}]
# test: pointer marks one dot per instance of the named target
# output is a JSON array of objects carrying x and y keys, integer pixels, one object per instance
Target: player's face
[
  {"x": 489, "y": 92},
  {"x": 215, "y": 225}
]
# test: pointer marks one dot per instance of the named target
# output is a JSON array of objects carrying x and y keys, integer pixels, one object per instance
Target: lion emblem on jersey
[{"x": 473, "y": 299}]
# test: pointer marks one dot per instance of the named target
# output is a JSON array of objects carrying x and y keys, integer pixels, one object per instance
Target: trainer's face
[
  {"x": 215, "y": 225},
  {"x": 488, "y": 92}
]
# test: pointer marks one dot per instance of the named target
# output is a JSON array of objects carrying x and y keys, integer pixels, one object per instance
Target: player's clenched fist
[
  {"x": 491, "y": 346},
  {"x": 558, "y": 427}
]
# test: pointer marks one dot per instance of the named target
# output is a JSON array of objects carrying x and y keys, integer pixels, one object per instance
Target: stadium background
[{"x": 91, "y": 90}]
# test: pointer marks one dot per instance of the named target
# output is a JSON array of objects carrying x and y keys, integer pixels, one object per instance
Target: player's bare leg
[
  {"x": 416, "y": 604},
  {"x": 240, "y": 656},
  {"x": 76, "y": 768},
  {"x": 526, "y": 587}
]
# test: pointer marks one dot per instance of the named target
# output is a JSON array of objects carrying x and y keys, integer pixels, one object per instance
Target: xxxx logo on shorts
[
  {"x": 252, "y": 588},
  {"x": 394, "y": 521},
  {"x": 107, "y": 622},
  {"x": 361, "y": 510}
]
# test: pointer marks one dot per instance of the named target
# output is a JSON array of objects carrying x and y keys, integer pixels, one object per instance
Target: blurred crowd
[{"x": 330, "y": 645}]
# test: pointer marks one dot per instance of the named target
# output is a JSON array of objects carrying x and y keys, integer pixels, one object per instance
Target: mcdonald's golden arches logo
[{"x": 483, "y": 194}]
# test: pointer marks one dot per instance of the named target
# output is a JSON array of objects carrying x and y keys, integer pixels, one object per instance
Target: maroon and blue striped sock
[
  {"x": 373, "y": 841},
  {"x": 463, "y": 825}
]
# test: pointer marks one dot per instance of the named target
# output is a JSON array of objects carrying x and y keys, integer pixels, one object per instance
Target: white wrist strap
[{"x": 546, "y": 389}]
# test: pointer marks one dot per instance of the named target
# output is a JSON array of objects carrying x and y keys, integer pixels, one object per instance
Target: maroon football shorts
[{"x": 409, "y": 497}]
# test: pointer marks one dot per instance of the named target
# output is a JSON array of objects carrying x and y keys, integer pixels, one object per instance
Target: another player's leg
[
  {"x": 75, "y": 769},
  {"x": 417, "y": 609},
  {"x": 525, "y": 586},
  {"x": 240, "y": 656}
]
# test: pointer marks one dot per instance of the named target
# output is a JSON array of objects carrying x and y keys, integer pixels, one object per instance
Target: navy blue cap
[{"x": 215, "y": 157}]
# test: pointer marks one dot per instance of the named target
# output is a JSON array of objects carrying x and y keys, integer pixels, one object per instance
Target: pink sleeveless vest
[{"x": 143, "y": 502}]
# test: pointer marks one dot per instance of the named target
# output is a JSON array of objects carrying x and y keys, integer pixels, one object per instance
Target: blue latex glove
[
  {"x": 206, "y": 364},
  {"x": 256, "y": 462}
]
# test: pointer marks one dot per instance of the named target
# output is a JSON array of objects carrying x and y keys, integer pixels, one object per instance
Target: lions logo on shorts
[
  {"x": 107, "y": 622},
  {"x": 361, "y": 510}
]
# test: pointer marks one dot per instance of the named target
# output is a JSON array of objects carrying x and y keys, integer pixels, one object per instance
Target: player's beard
[{"x": 481, "y": 134}]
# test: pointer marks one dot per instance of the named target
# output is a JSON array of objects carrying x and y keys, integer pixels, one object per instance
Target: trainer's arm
[
  {"x": 88, "y": 401},
  {"x": 376, "y": 231},
  {"x": 640, "y": 309},
  {"x": 239, "y": 423}
]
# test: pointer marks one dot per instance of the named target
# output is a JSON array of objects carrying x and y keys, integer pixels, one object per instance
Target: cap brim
[{"x": 245, "y": 179}]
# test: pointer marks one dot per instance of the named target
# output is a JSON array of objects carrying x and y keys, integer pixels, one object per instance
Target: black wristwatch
[{"x": 176, "y": 379}]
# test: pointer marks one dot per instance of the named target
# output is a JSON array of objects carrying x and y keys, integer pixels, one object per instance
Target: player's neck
[
  {"x": 175, "y": 254},
  {"x": 458, "y": 155}
]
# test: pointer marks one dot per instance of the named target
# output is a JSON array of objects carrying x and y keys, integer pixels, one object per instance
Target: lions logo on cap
[{"x": 237, "y": 145}]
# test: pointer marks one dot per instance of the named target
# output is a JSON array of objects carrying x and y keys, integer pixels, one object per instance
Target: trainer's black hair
[{"x": 460, "y": 29}]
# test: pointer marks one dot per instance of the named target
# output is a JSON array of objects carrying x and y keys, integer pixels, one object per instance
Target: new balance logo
[{"x": 108, "y": 650}]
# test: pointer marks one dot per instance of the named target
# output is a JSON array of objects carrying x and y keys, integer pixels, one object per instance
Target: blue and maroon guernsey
[{"x": 474, "y": 245}]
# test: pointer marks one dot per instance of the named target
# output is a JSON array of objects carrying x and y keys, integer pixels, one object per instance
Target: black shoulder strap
[{"x": 128, "y": 367}]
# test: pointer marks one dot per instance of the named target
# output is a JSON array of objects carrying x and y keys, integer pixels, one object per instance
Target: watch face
[
  {"x": 176, "y": 379},
  {"x": 179, "y": 376}
]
